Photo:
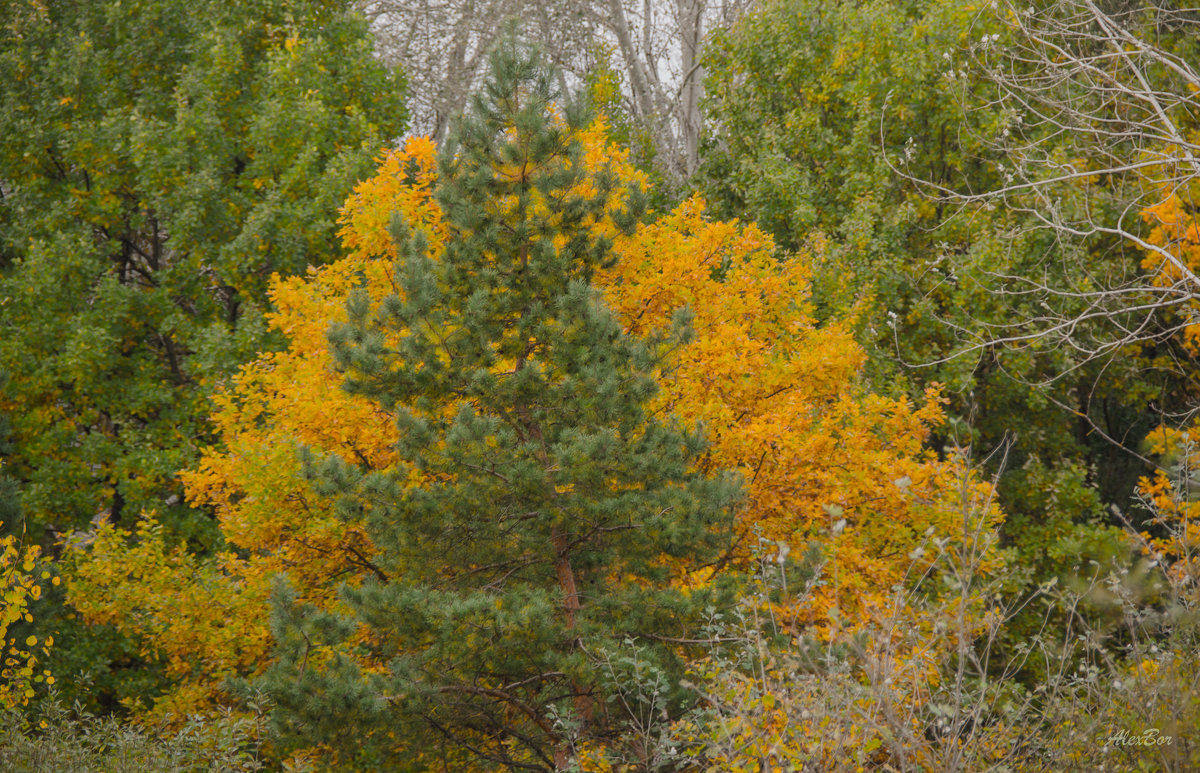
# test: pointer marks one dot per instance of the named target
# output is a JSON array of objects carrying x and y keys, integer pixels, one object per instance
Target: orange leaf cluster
[
  {"x": 1175, "y": 510},
  {"x": 1175, "y": 234}
]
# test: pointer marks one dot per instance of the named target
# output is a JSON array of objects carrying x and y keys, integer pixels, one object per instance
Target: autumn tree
[
  {"x": 159, "y": 161},
  {"x": 821, "y": 122},
  {"x": 780, "y": 396},
  {"x": 206, "y": 617}
]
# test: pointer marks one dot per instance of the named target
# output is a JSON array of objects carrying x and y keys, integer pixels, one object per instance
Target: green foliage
[
  {"x": 538, "y": 525},
  {"x": 1060, "y": 520},
  {"x": 70, "y": 739},
  {"x": 822, "y": 112},
  {"x": 826, "y": 114},
  {"x": 10, "y": 492},
  {"x": 798, "y": 91},
  {"x": 159, "y": 160}
]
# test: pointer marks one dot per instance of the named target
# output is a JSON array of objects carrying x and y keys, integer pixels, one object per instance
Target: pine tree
[{"x": 525, "y": 597}]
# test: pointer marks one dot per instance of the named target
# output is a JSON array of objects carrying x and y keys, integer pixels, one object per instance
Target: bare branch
[{"x": 1093, "y": 119}]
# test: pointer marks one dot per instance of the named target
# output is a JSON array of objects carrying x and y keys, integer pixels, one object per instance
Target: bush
[
  {"x": 1115, "y": 685},
  {"x": 61, "y": 738}
]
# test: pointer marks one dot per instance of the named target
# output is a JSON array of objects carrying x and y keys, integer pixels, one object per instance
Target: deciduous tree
[
  {"x": 158, "y": 162},
  {"x": 651, "y": 50},
  {"x": 1095, "y": 125}
]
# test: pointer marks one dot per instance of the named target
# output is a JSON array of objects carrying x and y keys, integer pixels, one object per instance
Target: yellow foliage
[
  {"x": 781, "y": 402},
  {"x": 205, "y": 621},
  {"x": 18, "y": 586}
]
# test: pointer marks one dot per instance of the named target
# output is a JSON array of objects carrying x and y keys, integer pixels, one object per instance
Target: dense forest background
[{"x": 599, "y": 386}]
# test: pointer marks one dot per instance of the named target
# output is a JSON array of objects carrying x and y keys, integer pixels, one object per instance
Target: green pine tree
[{"x": 522, "y": 601}]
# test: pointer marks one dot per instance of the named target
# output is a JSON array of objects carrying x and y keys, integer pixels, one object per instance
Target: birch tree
[{"x": 655, "y": 46}]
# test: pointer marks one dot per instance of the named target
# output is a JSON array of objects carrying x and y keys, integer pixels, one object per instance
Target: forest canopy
[{"x": 598, "y": 387}]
